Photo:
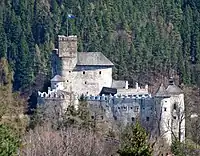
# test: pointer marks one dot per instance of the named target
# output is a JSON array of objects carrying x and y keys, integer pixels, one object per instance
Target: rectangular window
[
  {"x": 165, "y": 109},
  {"x": 175, "y": 106},
  {"x": 133, "y": 119},
  {"x": 136, "y": 109},
  {"x": 147, "y": 118}
]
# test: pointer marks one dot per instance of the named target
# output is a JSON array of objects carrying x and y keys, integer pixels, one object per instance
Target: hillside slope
[{"x": 140, "y": 36}]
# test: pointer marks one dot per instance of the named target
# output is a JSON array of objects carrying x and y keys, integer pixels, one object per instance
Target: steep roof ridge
[
  {"x": 173, "y": 89},
  {"x": 161, "y": 92},
  {"x": 57, "y": 78},
  {"x": 93, "y": 59}
]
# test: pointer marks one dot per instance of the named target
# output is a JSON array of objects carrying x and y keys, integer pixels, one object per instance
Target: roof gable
[
  {"x": 161, "y": 92},
  {"x": 173, "y": 89},
  {"x": 57, "y": 78},
  {"x": 93, "y": 59}
]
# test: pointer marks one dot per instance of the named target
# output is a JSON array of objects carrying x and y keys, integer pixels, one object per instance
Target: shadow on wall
[{"x": 32, "y": 101}]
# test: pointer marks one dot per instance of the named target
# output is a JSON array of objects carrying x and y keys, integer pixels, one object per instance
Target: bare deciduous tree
[{"x": 44, "y": 141}]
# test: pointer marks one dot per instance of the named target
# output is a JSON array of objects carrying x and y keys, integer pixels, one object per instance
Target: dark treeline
[{"x": 139, "y": 36}]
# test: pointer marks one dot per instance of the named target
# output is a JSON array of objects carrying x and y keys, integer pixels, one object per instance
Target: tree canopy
[
  {"x": 134, "y": 142},
  {"x": 140, "y": 36}
]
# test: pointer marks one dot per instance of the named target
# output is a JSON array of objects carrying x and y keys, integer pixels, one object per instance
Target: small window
[
  {"x": 85, "y": 82},
  {"x": 67, "y": 80},
  {"x": 147, "y": 118},
  {"x": 69, "y": 71},
  {"x": 102, "y": 117},
  {"x": 165, "y": 109},
  {"x": 118, "y": 107},
  {"x": 175, "y": 106},
  {"x": 99, "y": 72},
  {"x": 124, "y": 107},
  {"x": 131, "y": 107},
  {"x": 92, "y": 117},
  {"x": 136, "y": 109},
  {"x": 133, "y": 119},
  {"x": 174, "y": 117},
  {"x": 83, "y": 72}
]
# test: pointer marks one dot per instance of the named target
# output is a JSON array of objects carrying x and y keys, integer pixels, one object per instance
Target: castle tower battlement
[
  {"x": 67, "y": 46},
  {"x": 67, "y": 38},
  {"x": 124, "y": 97}
]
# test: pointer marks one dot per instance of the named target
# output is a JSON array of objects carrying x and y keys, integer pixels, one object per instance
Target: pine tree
[
  {"x": 9, "y": 142},
  {"x": 134, "y": 142}
]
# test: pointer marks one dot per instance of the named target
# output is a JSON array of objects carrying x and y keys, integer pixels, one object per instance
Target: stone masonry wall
[{"x": 84, "y": 81}]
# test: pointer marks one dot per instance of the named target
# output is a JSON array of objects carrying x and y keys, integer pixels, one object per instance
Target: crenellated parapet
[
  {"x": 104, "y": 98},
  {"x": 52, "y": 94},
  {"x": 67, "y": 38}
]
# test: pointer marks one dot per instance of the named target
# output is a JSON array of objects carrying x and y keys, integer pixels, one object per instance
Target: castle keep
[
  {"x": 84, "y": 72},
  {"x": 90, "y": 74}
]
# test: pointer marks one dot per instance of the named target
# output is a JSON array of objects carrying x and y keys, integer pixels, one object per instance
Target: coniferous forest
[{"x": 139, "y": 36}]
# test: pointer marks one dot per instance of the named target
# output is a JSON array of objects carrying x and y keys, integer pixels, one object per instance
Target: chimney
[
  {"x": 136, "y": 86},
  {"x": 146, "y": 87},
  {"x": 126, "y": 84},
  {"x": 49, "y": 90}
]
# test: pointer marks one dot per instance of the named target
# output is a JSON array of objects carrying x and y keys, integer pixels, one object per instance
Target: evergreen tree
[
  {"x": 134, "y": 142},
  {"x": 9, "y": 141}
]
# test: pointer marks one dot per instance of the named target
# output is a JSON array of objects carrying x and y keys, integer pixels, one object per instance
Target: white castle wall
[
  {"x": 57, "y": 85},
  {"x": 165, "y": 122},
  {"x": 126, "y": 109},
  {"x": 91, "y": 81},
  {"x": 178, "y": 115}
]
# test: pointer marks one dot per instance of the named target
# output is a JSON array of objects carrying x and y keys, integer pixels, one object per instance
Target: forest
[{"x": 141, "y": 37}]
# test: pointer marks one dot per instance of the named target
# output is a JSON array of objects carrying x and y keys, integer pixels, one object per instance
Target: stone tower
[
  {"x": 163, "y": 113},
  {"x": 177, "y": 111},
  {"x": 67, "y": 52},
  {"x": 170, "y": 112}
]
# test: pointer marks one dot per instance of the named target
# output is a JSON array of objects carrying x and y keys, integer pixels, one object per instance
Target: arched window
[
  {"x": 99, "y": 72},
  {"x": 83, "y": 72}
]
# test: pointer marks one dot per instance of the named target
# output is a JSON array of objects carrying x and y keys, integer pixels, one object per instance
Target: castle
[{"x": 90, "y": 74}]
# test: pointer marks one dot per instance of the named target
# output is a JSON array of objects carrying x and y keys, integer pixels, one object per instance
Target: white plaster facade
[
  {"x": 82, "y": 72},
  {"x": 171, "y": 113}
]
